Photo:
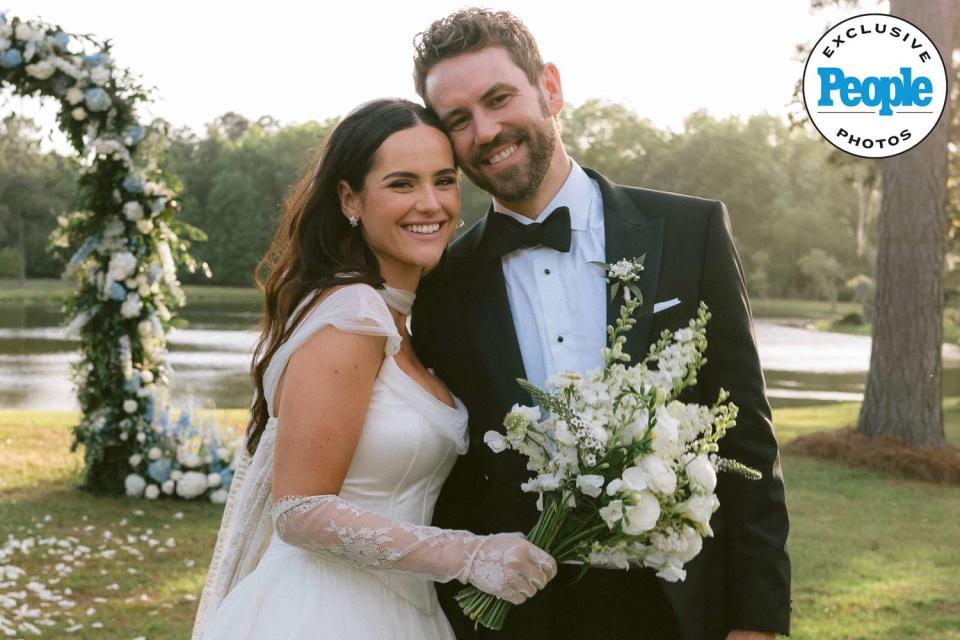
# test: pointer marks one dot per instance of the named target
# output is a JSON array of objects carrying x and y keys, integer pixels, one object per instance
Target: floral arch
[{"x": 122, "y": 246}]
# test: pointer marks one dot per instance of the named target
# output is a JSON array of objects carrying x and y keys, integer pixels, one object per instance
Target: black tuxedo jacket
[{"x": 462, "y": 327}]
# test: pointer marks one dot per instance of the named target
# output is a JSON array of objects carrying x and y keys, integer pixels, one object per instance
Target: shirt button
[
  {"x": 546, "y": 271},
  {"x": 560, "y": 339}
]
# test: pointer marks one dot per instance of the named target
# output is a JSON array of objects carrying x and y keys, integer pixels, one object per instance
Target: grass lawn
[
  {"x": 52, "y": 291},
  {"x": 873, "y": 556}
]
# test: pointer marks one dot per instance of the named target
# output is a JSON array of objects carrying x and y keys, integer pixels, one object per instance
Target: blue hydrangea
[
  {"x": 133, "y": 383},
  {"x": 95, "y": 59},
  {"x": 88, "y": 247},
  {"x": 96, "y": 99},
  {"x": 118, "y": 292},
  {"x": 159, "y": 470},
  {"x": 60, "y": 40},
  {"x": 11, "y": 59},
  {"x": 148, "y": 412},
  {"x": 135, "y": 132},
  {"x": 159, "y": 204},
  {"x": 134, "y": 184}
]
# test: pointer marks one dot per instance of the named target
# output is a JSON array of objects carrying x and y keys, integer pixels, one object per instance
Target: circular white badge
[{"x": 874, "y": 85}]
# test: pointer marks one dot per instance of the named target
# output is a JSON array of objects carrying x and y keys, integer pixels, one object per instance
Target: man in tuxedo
[{"x": 516, "y": 297}]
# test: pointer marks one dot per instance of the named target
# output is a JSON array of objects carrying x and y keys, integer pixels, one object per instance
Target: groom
[{"x": 516, "y": 297}]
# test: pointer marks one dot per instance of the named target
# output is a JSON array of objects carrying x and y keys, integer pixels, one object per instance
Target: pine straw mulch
[{"x": 850, "y": 447}]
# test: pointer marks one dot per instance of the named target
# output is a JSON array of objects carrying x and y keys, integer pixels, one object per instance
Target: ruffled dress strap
[{"x": 354, "y": 308}]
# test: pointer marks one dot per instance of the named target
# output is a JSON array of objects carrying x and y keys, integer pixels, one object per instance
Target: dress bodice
[{"x": 410, "y": 439}]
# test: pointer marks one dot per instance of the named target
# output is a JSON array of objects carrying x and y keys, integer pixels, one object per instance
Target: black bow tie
[{"x": 507, "y": 235}]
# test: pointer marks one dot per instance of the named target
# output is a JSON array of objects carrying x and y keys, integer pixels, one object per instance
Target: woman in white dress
[{"x": 326, "y": 531}]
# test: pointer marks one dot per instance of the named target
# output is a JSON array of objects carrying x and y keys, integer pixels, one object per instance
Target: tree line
[{"x": 804, "y": 223}]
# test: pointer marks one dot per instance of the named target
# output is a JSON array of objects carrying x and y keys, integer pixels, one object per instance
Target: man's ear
[
  {"x": 553, "y": 91},
  {"x": 349, "y": 200}
]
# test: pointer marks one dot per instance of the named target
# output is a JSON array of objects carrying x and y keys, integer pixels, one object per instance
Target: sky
[{"x": 300, "y": 61}]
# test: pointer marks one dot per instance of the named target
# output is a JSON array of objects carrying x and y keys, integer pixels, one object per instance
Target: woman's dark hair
[{"x": 314, "y": 246}]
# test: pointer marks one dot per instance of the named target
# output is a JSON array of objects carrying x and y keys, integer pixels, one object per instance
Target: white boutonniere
[{"x": 624, "y": 273}]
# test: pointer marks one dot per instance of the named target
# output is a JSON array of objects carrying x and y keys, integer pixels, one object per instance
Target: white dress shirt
[{"x": 558, "y": 300}]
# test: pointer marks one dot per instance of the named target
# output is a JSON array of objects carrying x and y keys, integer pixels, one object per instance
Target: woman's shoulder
[{"x": 351, "y": 308}]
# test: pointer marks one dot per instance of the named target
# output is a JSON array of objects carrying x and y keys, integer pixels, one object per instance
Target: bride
[{"x": 326, "y": 531}]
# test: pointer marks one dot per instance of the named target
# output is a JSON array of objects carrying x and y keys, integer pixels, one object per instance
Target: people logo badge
[{"x": 874, "y": 85}]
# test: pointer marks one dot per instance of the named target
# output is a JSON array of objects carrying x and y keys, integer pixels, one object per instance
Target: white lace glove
[{"x": 504, "y": 564}]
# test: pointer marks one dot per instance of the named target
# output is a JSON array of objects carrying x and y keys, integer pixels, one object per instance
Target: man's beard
[{"x": 521, "y": 181}]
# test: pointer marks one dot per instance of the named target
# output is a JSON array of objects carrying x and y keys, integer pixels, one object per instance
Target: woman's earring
[
  {"x": 354, "y": 221},
  {"x": 460, "y": 223}
]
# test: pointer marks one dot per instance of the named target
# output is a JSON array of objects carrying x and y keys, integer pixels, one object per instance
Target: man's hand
[{"x": 750, "y": 635}]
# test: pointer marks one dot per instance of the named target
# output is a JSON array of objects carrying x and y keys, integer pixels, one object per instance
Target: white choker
[{"x": 398, "y": 299}]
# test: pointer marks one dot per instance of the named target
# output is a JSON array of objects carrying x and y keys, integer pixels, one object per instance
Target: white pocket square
[{"x": 666, "y": 304}]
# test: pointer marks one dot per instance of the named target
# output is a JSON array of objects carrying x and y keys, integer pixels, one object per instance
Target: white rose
[
  {"x": 154, "y": 453},
  {"x": 41, "y": 70},
  {"x": 702, "y": 474},
  {"x": 131, "y": 307},
  {"x": 612, "y": 513},
  {"x": 213, "y": 480},
  {"x": 643, "y": 515},
  {"x": 135, "y": 459},
  {"x": 192, "y": 484},
  {"x": 134, "y": 484},
  {"x": 699, "y": 509},
  {"x": 130, "y": 405},
  {"x": 661, "y": 477},
  {"x": 634, "y": 479},
  {"x": 24, "y": 31},
  {"x": 122, "y": 265},
  {"x": 99, "y": 75},
  {"x": 495, "y": 441},
  {"x": 133, "y": 210},
  {"x": 79, "y": 114},
  {"x": 176, "y": 475},
  {"x": 591, "y": 485},
  {"x": 145, "y": 226},
  {"x": 152, "y": 492},
  {"x": 168, "y": 486},
  {"x": 219, "y": 496},
  {"x": 147, "y": 376},
  {"x": 74, "y": 97}
]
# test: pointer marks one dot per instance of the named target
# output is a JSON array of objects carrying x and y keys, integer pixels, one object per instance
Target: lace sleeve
[{"x": 505, "y": 565}]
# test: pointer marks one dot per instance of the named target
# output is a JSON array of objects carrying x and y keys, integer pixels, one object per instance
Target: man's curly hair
[{"x": 473, "y": 29}]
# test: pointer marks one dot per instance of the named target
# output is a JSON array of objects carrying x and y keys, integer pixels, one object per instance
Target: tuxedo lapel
[
  {"x": 630, "y": 233},
  {"x": 491, "y": 325}
]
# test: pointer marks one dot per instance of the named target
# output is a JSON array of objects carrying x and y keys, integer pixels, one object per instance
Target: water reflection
[{"x": 211, "y": 359}]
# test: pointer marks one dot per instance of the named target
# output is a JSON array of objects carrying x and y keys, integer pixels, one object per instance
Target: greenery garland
[{"x": 122, "y": 247}]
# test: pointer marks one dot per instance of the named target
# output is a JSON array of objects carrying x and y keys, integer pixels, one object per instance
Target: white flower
[
  {"x": 643, "y": 515},
  {"x": 131, "y": 307},
  {"x": 41, "y": 70},
  {"x": 99, "y": 75},
  {"x": 531, "y": 414},
  {"x": 152, "y": 492},
  {"x": 4, "y": 43},
  {"x": 24, "y": 32},
  {"x": 634, "y": 479},
  {"x": 168, "y": 486},
  {"x": 75, "y": 97},
  {"x": 145, "y": 226},
  {"x": 130, "y": 405},
  {"x": 135, "y": 459},
  {"x": 154, "y": 453},
  {"x": 133, "y": 210},
  {"x": 614, "y": 486},
  {"x": 591, "y": 485},
  {"x": 219, "y": 496},
  {"x": 141, "y": 437},
  {"x": 122, "y": 265},
  {"x": 175, "y": 475},
  {"x": 213, "y": 480},
  {"x": 495, "y": 441},
  {"x": 612, "y": 513},
  {"x": 548, "y": 481},
  {"x": 692, "y": 543},
  {"x": 702, "y": 474},
  {"x": 660, "y": 476},
  {"x": 134, "y": 484},
  {"x": 610, "y": 559},
  {"x": 699, "y": 509},
  {"x": 143, "y": 290},
  {"x": 79, "y": 114},
  {"x": 665, "y": 433},
  {"x": 192, "y": 484},
  {"x": 147, "y": 376},
  {"x": 188, "y": 458}
]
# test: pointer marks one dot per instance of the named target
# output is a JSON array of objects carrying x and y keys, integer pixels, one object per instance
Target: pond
[{"x": 211, "y": 359}]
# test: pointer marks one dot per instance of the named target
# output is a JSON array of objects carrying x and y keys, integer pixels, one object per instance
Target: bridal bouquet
[{"x": 624, "y": 471}]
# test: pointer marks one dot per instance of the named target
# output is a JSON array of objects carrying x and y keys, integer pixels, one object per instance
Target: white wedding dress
[{"x": 344, "y": 589}]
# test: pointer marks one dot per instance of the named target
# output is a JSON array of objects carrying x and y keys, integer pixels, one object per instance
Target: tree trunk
[{"x": 903, "y": 397}]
